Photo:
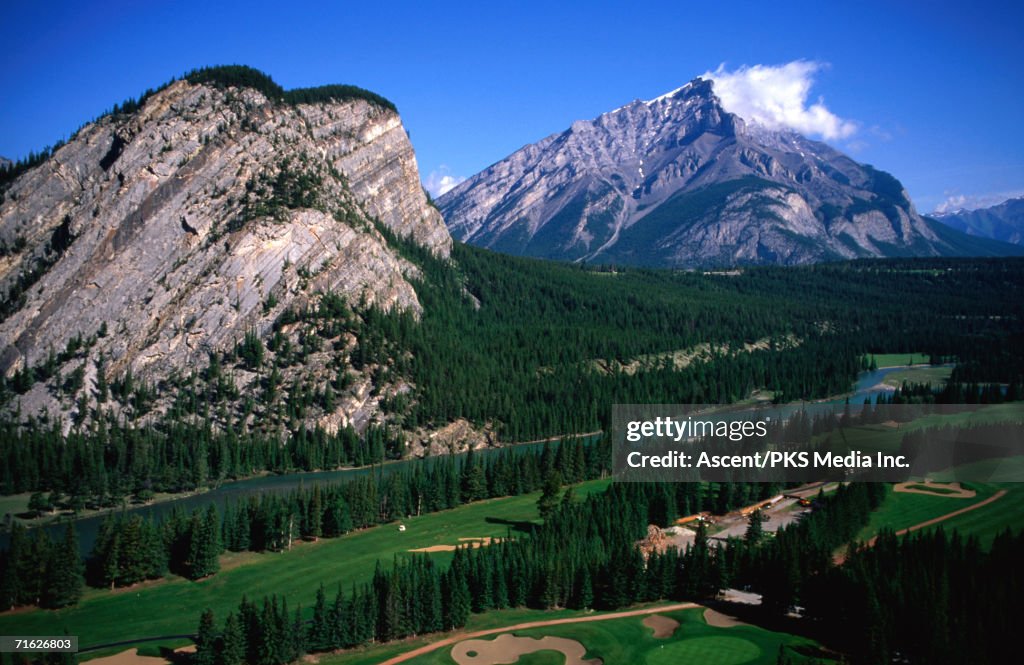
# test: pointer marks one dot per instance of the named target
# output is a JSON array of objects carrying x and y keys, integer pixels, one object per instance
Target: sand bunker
[
  {"x": 473, "y": 541},
  {"x": 132, "y": 657},
  {"x": 661, "y": 625},
  {"x": 129, "y": 657},
  {"x": 506, "y": 649},
  {"x": 719, "y": 620},
  {"x": 948, "y": 490}
]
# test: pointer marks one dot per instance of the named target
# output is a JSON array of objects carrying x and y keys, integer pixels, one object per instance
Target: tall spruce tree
[
  {"x": 232, "y": 650},
  {"x": 64, "y": 573},
  {"x": 206, "y": 640}
]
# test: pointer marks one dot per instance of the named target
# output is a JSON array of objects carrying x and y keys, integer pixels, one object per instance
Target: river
[{"x": 867, "y": 385}]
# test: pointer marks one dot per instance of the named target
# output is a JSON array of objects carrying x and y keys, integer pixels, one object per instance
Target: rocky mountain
[
  {"x": 678, "y": 181},
  {"x": 1004, "y": 221},
  {"x": 190, "y": 238},
  {"x": 5, "y": 163}
]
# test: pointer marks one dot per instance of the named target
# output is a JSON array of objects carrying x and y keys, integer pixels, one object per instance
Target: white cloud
[
  {"x": 441, "y": 181},
  {"x": 956, "y": 202},
  {"x": 776, "y": 97}
]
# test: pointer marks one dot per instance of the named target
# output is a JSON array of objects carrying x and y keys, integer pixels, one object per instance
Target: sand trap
[
  {"x": 948, "y": 490},
  {"x": 132, "y": 657},
  {"x": 482, "y": 541},
  {"x": 129, "y": 657},
  {"x": 719, "y": 620},
  {"x": 506, "y": 649},
  {"x": 661, "y": 625}
]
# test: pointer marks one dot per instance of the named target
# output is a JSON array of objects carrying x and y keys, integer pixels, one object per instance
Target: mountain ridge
[
  {"x": 162, "y": 235},
  {"x": 1002, "y": 221},
  {"x": 678, "y": 181}
]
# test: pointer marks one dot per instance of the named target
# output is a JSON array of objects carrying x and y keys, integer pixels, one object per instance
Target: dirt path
[
  {"x": 409, "y": 655},
  {"x": 974, "y": 506},
  {"x": 840, "y": 558}
]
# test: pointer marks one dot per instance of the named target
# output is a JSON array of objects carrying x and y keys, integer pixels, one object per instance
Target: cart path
[
  {"x": 942, "y": 518},
  {"x": 433, "y": 646},
  {"x": 840, "y": 558}
]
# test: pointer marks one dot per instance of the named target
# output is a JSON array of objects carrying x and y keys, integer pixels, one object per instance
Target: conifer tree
[
  {"x": 232, "y": 649},
  {"x": 755, "y": 527},
  {"x": 64, "y": 579},
  {"x": 548, "y": 500},
  {"x": 206, "y": 640},
  {"x": 473, "y": 480},
  {"x": 319, "y": 629}
]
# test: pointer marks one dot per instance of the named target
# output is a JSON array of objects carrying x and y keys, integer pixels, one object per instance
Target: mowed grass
[
  {"x": 374, "y": 654},
  {"x": 627, "y": 640},
  {"x": 883, "y": 360},
  {"x": 886, "y": 438},
  {"x": 988, "y": 521},
  {"x": 14, "y": 504},
  {"x": 173, "y": 606},
  {"x": 901, "y": 510},
  {"x": 937, "y": 376}
]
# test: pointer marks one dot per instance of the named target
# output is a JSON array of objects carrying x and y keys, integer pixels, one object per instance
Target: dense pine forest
[
  {"x": 530, "y": 349},
  {"x": 533, "y": 349},
  {"x": 927, "y": 598},
  {"x": 36, "y": 570}
]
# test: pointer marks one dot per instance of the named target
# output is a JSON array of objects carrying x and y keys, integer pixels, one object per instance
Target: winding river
[{"x": 868, "y": 384}]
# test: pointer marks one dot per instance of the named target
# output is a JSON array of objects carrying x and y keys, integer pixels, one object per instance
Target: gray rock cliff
[{"x": 154, "y": 239}]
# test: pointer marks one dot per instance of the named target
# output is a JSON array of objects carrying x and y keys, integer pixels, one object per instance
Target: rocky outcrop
[
  {"x": 154, "y": 239},
  {"x": 678, "y": 181}
]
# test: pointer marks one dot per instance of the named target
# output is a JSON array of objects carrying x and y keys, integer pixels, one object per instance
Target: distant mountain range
[
  {"x": 678, "y": 181},
  {"x": 1004, "y": 221}
]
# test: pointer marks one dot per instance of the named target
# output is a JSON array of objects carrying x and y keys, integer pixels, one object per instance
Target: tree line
[
  {"x": 925, "y": 597},
  {"x": 529, "y": 348},
  {"x": 35, "y": 570},
  {"x": 583, "y": 556}
]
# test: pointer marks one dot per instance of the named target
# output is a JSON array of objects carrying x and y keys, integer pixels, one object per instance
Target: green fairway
[
  {"x": 901, "y": 510},
  {"x": 936, "y": 376},
  {"x": 173, "y": 606},
  {"x": 716, "y": 650},
  {"x": 986, "y": 522},
  {"x": 886, "y": 438},
  {"x": 627, "y": 640},
  {"x": 374, "y": 654},
  {"x": 1009, "y": 470},
  {"x": 883, "y": 360},
  {"x": 14, "y": 504}
]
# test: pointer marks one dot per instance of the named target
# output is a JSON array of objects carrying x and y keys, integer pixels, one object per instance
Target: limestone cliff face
[{"x": 165, "y": 235}]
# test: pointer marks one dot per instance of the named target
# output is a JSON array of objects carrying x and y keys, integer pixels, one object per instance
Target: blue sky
[{"x": 933, "y": 91}]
